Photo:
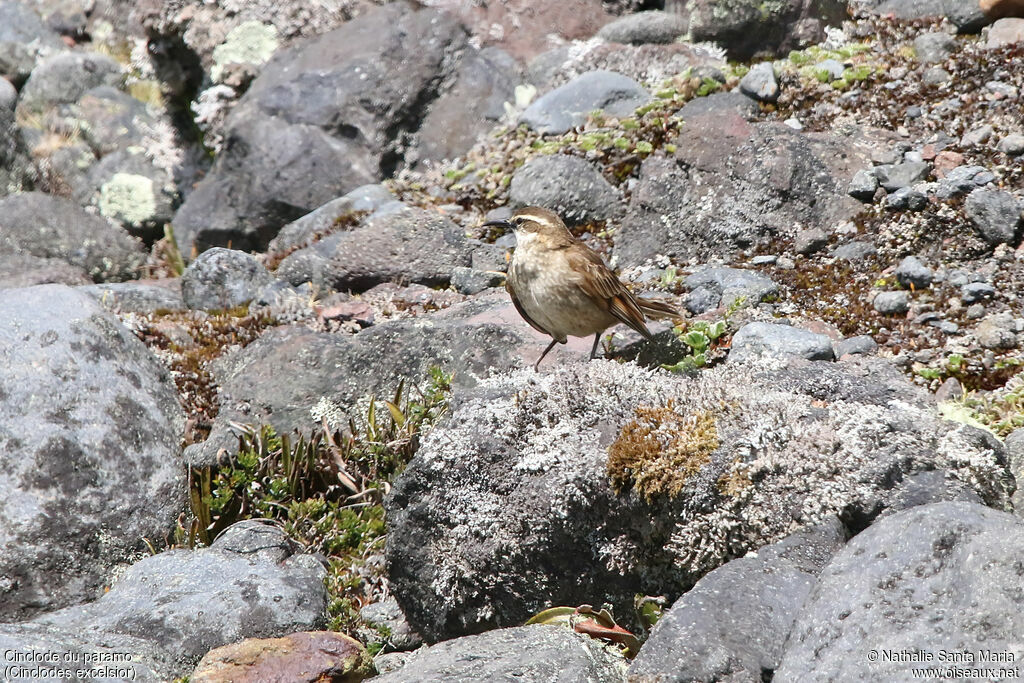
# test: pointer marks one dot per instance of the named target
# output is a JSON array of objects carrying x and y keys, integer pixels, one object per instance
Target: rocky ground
[{"x": 269, "y": 415}]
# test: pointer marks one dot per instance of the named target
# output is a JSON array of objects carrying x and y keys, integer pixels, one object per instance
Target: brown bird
[{"x": 562, "y": 287}]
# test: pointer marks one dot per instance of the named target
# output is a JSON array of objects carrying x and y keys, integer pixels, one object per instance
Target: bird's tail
[{"x": 658, "y": 310}]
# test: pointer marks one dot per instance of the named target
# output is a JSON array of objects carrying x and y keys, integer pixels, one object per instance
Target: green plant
[
  {"x": 700, "y": 337},
  {"x": 325, "y": 490}
]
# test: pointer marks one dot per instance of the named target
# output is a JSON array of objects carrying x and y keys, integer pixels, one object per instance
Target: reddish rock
[
  {"x": 316, "y": 657},
  {"x": 360, "y": 311},
  {"x": 946, "y": 161},
  {"x": 1002, "y": 8},
  {"x": 1008, "y": 31}
]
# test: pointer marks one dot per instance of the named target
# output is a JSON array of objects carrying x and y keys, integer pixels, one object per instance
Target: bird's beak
[{"x": 498, "y": 224}]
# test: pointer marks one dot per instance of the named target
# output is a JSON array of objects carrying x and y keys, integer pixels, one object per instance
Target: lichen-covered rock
[
  {"x": 222, "y": 279},
  {"x": 51, "y": 227},
  {"x": 90, "y": 430},
  {"x": 526, "y": 653},
  {"x": 731, "y": 183},
  {"x": 168, "y": 610},
  {"x": 930, "y": 580},
  {"x": 596, "y": 482},
  {"x": 307, "y": 657},
  {"x": 24, "y": 38},
  {"x": 64, "y": 78}
]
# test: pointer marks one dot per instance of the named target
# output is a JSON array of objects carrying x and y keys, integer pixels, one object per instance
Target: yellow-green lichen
[
  {"x": 128, "y": 198},
  {"x": 660, "y": 450},
  {"x": 250, "y": 42}
]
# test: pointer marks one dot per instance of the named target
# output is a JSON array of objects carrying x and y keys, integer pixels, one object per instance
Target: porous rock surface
[
  {"x": 90, "y": 429},
  {"x": 507, "y": 507}
]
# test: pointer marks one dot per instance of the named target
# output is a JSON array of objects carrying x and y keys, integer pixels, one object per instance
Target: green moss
[{"x": 658, "y": 452}]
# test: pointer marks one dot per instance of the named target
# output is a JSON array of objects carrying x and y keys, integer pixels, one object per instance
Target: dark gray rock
[
  {"x": 760, "y": 84},
  {"x": 128, "y": 188},
  {"x": 966, "y": 16},
  {"x": 474, "y": 338},
  {"x": 569, "y": 106},
  {"x": 854, "y": 251},
  {"x": 726, "y": 285},
  {"x": 932, "y": 48},
  {"x": 891, "y": 303},
  {"x": 8, "y": 95},
  {"x": 25, "y": 270},
  {"x": 748, "y": 28},
  {"x": 734, "y": 623},
  {"x": 996, "y": 215},
  {"x": 911, "y": 583},
  {"x": 728, "y": 101},
  {"x": 731, "y": 184},
  {"x": 894, "y": 176},
  {"x": 333, "y": 215},
  {"x": 500, "y": 515},
  {"x": 469, "y": 281},
  {"x": 113, "y": 120},
  {"x": 569, "y": 186},
  {"x": 912, "y": 273},
  {"x": 408, "y": 245},
  {"x": 976, "y": 291},
  {"x": 137, "y": 297},
  {"x": 906, "y": 199},
  {"x": 555, "y": 653},
  {"x": 645, "y": 27},
  {"x": 770, "y": 340},
  {"x": 490, "y": 257},
  {"x": 861, "y": 345},
  {"x": 90, "y": 435},
  {"x": 64, "y": 78},
  {"x": 961, "y": 180},
  {"x": 1012, "y": 144},
  {"x": 864, "y": 185},
  {"x": 170, "y": 609},
  {"x": 484, "y": 82},
  {"x": 950, "y": 390},
  {"x": 51, "y": 227},
  {"x": 24, "y": 38},
  {"x": 222, "y": 279},
  {"x": 325, "y": 116}
]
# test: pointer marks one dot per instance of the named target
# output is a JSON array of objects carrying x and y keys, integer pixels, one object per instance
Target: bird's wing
[
  {"x": 519, "y": 307},
  {"x": 602, "y": 283}
]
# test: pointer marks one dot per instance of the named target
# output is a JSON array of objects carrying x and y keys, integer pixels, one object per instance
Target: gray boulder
[
  {"x": 961, "y": 180},
  {"x": 966, "y": 16},
  {"x": 325, "y": 116},
  {"x": 645, "y": 27},
  {"x": 891, "y": 303},
  {"x": 749, "y": 28},
  {"x": 16, "y": 172},
  {"x": 894, "y": 176},
  {"x": 731, "y": 184},
  {"x": 568, "y": 185},
  {"x": 907, "y": 590},
  {"x": 769, "y": 340},
  {"x": 51, "y": 227},
  {"x": 222, "y": 279},
  {"x": 170, "y": 609},
  {"x": 91, "y": 431},
  {"x": 714, "y": 286},
  {"x": 138, "y": 297},
  {"x": 734, "y": 623},
  {"x": 863, "y": 185},
  {"x": 1014, "y": 443},
  {"x": 526, "y": 653},
  {"x": 931, "y": 48},
  {"x": 409, "y": 244},
  {"x": 24, "y": 38},
  {"x": 501, "y": 514},
  {"x": 25, "y": 270},
  {"x": 64, "y": 78},
  {"x": 759, "y": 83},
  {"x": 129, "y": 189},
  {"x": 728, "y": 101},
  {"x": 911, "y": 272},
  {"x": 569, "y": 106},
  {"x": 996, "y": 215}
]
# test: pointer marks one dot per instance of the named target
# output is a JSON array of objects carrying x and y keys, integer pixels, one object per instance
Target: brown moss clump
[
  {"x": 735, "y": 482},
  {"x": 660, "y": 450}
]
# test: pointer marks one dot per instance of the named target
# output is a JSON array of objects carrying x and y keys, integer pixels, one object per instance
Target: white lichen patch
[
  {"x": 128, "y": 198},
  {"x": 250, "y": 42}
]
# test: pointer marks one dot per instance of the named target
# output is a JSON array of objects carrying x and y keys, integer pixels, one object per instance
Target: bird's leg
[
  {"x": 536, "y": 366},
  {"x": 593, "y": 350}
]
